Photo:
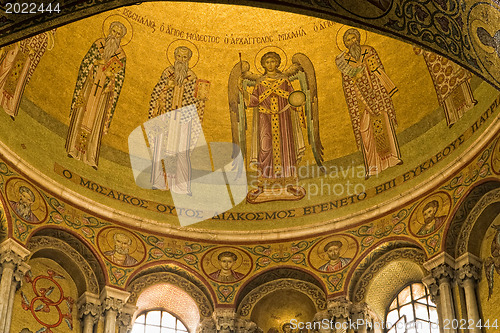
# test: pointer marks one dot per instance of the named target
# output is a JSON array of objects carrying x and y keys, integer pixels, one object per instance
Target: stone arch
[
  {"x": 383, "y": 272},
  {"x": 71, "y": 254},
  {"x": 169, "y": 275},
  {"x": 477, "y": 223},
  {"x": 463, "y": 211},
  {"x": 275, "y": 274},
  {"x": 278, "y": 279}
]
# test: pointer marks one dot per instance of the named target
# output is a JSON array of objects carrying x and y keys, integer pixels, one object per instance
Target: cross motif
[
  {"x": 97, "y": 87},
  {"x": 279, "y": 249},
  {"x": 174, "y": 246}
]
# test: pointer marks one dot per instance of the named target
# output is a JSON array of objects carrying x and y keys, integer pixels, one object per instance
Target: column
[
  {"x": 468, "y": 273},
  {"x": 433, "y": 287},
  {"x": 442, "y": 269},
  {"x": 340, "y": 311},
  {"x": 112, "y": 303},
  {"x": 125, "y": 318},
  {"x": 13, "y": 269},
  {"x": 89, "y": 311}
]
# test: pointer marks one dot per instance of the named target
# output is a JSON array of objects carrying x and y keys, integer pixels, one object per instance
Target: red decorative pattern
[{"x": 42, "y": 302}]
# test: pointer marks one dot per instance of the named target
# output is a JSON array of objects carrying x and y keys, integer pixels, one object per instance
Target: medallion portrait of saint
[
  {"x": 333, "y": 254},
  {"x": 121, "y": 247},
  {"x": 18, "y": 62},
  {"x": 98, "y": 86},
  {"x": 226, "y": 264},
  {"x": 430, "y": 215},
  {"x": 368, "y": 91},
  {"x": 177, "y": 103},
  {"x": 280, "y": 111},
  {"x": 26, "y": 201}
]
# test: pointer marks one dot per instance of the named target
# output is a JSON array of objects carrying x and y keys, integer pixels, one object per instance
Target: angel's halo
[
  {"x": 183, "y": 42},
  {"x": 340, "y": 37},
  {"x": 267, "y": 49}
]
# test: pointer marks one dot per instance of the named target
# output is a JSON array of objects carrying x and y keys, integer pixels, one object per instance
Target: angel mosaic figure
[
  {"x": 492, "y": 264},
  {"x": 279, "y": 114}
]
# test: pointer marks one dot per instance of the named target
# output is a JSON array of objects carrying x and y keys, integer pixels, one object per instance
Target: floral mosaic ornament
[{"x": 49, "y": 299}]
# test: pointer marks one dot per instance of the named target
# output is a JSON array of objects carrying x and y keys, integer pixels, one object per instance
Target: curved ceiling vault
[{"x": 441, "y": 112}]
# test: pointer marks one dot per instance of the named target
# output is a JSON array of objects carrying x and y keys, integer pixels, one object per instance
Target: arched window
[
  {"x": 158, "y": 321},
  {"x": 412, "y": 311}
]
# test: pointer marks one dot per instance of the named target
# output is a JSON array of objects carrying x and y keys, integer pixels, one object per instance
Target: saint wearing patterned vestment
[
  {"x": 178, "y": 103},
  {"x": 368, "y": 92},
  {"x": 17, "y": 64},
  {"x": 451, "y": 83},
  {"x": 100, "y": 80}
]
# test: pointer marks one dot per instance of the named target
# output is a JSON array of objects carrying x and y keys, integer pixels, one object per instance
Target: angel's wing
[
  {"x": 302, "y": 69},
  {"x": 239, "y": 79}
]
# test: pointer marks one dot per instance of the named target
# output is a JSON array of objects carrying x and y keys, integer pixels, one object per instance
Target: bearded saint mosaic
[
  {"x": 121, "y": 247},
  {"x": 368, "y": 91},
  {"x": 430, "y": 215},
  {"x": 26, "y": 201},
  {"x": 100, "y": 80},
  {"x": 178, "y": 104},
  {"x": 280, "y": 111},
  {"x": 18, "y": 61}
]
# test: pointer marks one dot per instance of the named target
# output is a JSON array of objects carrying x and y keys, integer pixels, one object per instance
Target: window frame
[
  {"x": 145, "y": 312},
  {"x": 412, "y": 302}
]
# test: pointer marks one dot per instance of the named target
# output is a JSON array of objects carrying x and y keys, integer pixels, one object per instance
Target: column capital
[
  {"x": 89, "y": 305},
  {"x": 360, "y": 310},
  {"x": 433, "y": 286},
  {"x": 339, "y": 307},
  {"x": 245, "y": 326},
  {"x": 113, "y": 299},
  {"x": 441, "y": 266},
  {"x": 224, "y": 320},
  {"x": 12, "y": 251},
  {"x": 125, "y": 318},
  {"x": 468, "y": 267},
  {"x": 207, "y": 325}
]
